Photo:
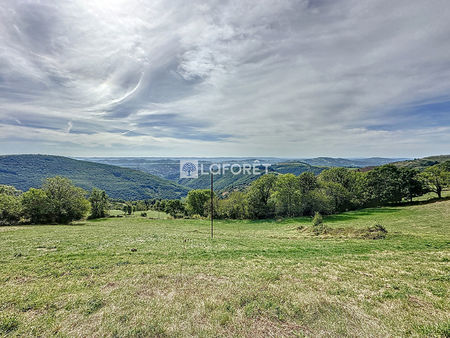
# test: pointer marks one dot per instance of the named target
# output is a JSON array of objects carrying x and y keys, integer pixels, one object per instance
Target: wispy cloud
[{"x": 286, "y": 78}]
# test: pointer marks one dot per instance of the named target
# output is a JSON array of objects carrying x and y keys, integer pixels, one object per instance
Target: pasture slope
[{"x": 254, "y": 279}]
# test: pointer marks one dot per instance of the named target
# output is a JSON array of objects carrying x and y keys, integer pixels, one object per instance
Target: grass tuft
[{"x": 8, "y": 323}]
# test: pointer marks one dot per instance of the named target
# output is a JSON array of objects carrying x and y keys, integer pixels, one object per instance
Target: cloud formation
[{"x": 225, "y": 78}]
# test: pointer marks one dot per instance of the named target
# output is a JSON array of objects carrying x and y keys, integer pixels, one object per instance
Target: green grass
[
  {"x": 431, "y": 195},
  {"x": 255, "y": 278},
  {"x": 152, "y": 214}
]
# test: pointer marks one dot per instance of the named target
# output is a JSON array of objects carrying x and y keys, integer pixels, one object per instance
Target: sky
[{"x": 283, "y": 78}]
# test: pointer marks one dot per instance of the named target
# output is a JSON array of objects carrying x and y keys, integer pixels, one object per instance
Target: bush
[
  {"x": 318, "y": 227},
  {"x": 174, "y": 208},
  {"x": 127, "y": 209},
  {"x": 36, "y": 206},
  {"x": 317, "y": 220},
  {"x": 234, "y": 206},
  {"x": 10, "y": 209}
]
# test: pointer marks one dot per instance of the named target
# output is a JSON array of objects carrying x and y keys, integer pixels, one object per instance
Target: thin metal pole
[{"x": 212, "y": 206}]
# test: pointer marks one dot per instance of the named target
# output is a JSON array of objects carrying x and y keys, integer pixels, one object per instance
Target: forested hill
[
  {"x": 26, "y": 171},
  {"x": 228, "y": 181},
  {"x": 423, "y": 163},
  {"x": 349, "y": 163}
]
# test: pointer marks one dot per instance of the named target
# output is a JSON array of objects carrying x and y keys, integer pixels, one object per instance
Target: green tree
[
  {"x": 127, "y": 208},
  {"x": 10, "y": 209},
  {"x": 437, "y": 177},
  {"x": 207, "y": 207},
  {"x": 66, "y": 202},
  {"x": 234, "y": 206},
  {"x": 196, "y": 200},
  {"x": 342, "y": 176},
  {"x": 339, "y": 195},
  {"x": 258, "y": 197},
  {"x": 175, "y": 208},
  {"x": 9, "y": 190},
  {"x": 385, "y": 184},
  {"x": 140, "y": 205},
  {"x": 412, "y": 185},
  {"x": 287, "y": 195},
  {"x": 99, "y": 203},
  {"x": 307, "y": 182},
  {"x": 36, "y": 206},
  {"x": 359, "y": 191},
  {"x": 317, "y": 201}
]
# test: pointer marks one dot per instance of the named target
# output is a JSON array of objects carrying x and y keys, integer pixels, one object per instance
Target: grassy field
[
  {"x": 153, "y": 214},
  {"x": 137, "y": 276}
]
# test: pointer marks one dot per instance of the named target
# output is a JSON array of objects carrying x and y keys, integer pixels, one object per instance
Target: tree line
[
  {"x": 332, "y": 191},
  {"x": 57, "y": 201},
  {"x": 272, "y": 195}
]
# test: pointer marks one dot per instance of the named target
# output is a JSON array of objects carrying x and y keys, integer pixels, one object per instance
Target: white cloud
[
  {"x": 279, "y": 78},
  {"x": 69, "y": 127}
]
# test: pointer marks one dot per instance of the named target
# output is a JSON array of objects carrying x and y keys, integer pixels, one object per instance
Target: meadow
[{"x": 152, "y": 276}]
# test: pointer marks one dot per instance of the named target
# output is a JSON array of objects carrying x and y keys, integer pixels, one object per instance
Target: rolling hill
[
  {"x": 169, "y": 168},
  {"x": 26, "y": 171},
  {"x": 229, "y": 182},
  {"x": 349, "y": 163},
  {"x": 423, "y": 163}
]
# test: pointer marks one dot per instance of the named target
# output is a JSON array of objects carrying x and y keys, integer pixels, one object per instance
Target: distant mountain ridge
[
  {"x": 168, "y": 167},
  {"x": 26, "y": 171}
]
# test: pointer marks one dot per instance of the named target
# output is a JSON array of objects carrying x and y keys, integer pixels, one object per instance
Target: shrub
[
  {"x": 318, "y": 227},
  {"x": 127, "y": 209},
  {"x": 36, "y": 206},
  {"x": 317, "y": 220},
  {"x": 10, "y": 209},
  {"x": 234, "y": 206},
  {"x": 174, "y": 208}
]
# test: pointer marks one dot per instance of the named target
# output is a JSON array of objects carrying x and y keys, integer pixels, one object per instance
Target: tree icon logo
[{"x": 188, "y": 169}]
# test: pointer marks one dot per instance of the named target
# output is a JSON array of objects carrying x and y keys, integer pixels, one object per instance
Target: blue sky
[{"x": 344, "y": 78}]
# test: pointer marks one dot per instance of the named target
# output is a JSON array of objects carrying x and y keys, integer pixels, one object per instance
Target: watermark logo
[
  {"x": 192, "y": 169},
  {"x": 188, "y": 168}
]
